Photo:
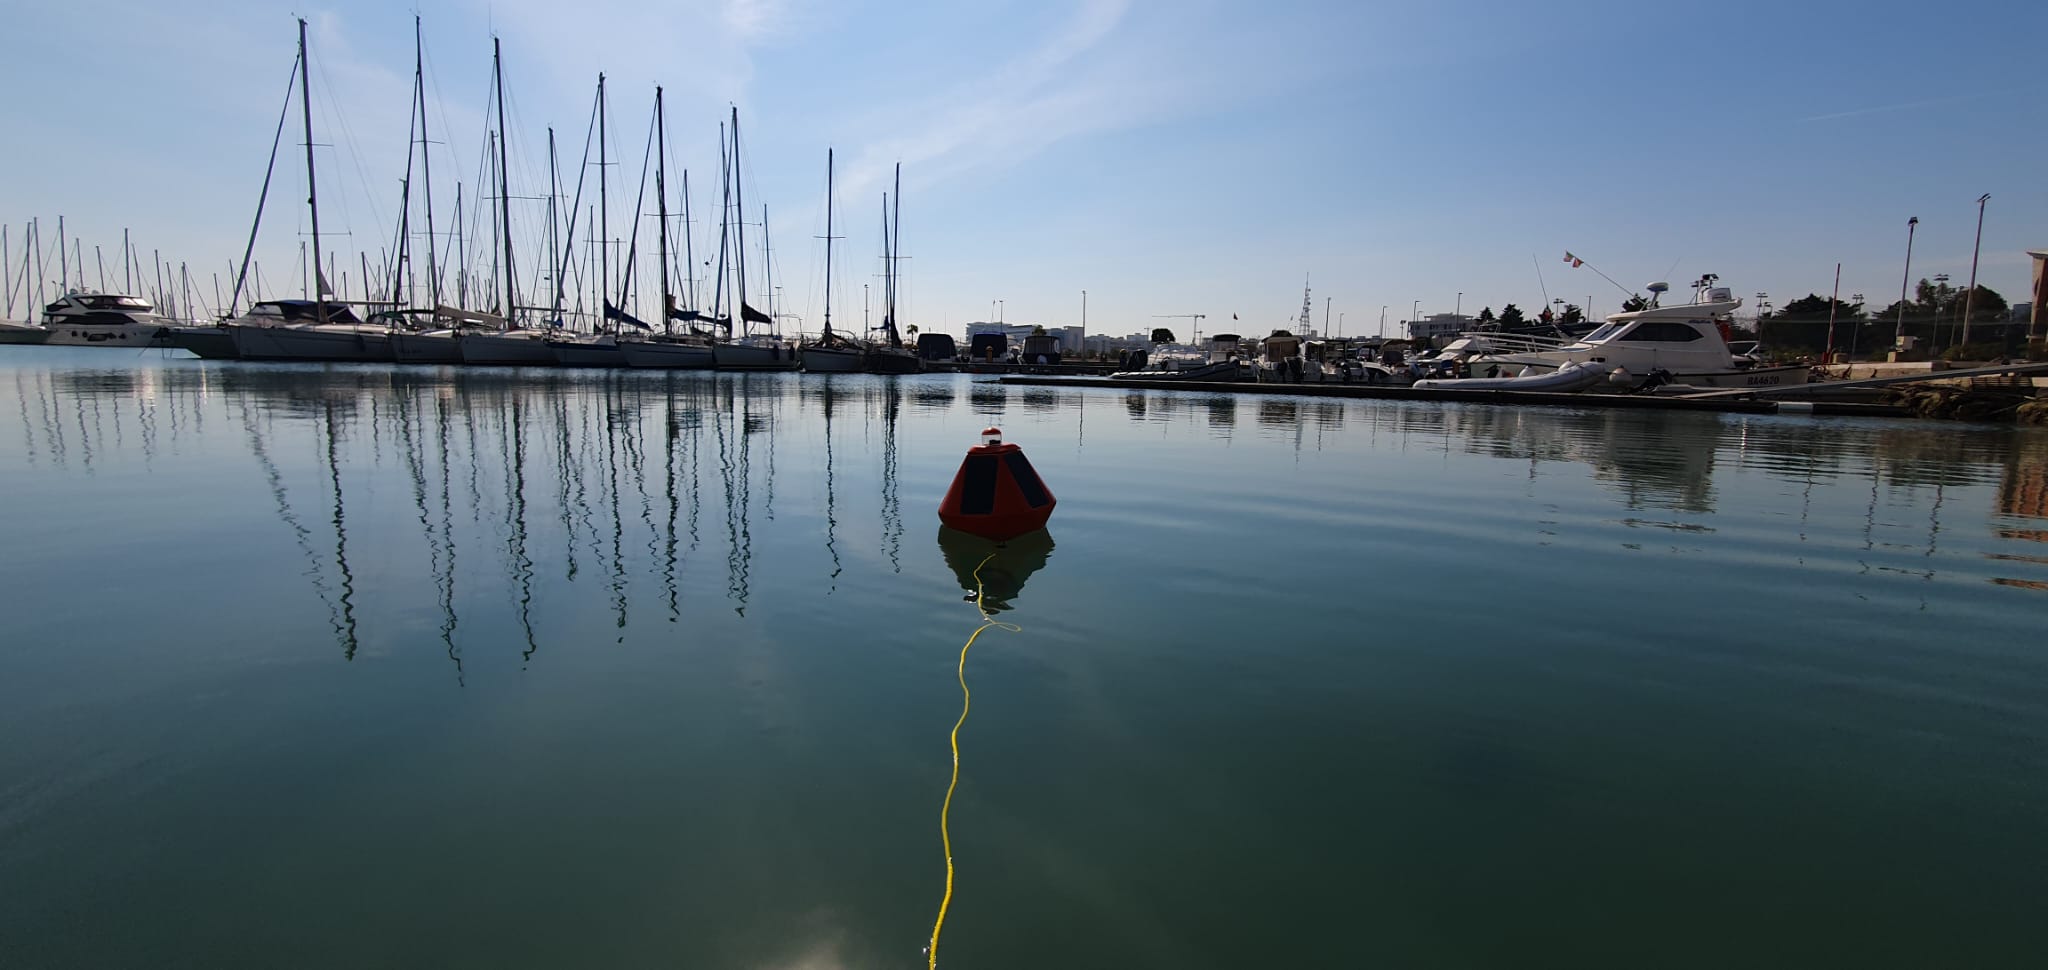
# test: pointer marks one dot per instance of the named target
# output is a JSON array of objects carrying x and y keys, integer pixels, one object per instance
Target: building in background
[{"x": 1437, "y": 325}]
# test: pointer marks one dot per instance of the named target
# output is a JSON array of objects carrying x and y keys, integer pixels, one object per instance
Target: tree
[
  {"x": 1038, "y": 331},
  {"x": 1935, "y": 299},
  {"x": 1572, "y": 314},
  {"x": 1813, "y": 306},
  {"x": 1511, "y": 316},
  {"x": 1987, "y": 305},
  {"x": 911, "y": 330},
  {"x": 1485, "y": 316},
  {"x": 1634, "y": 304},
  {"x": 1161, "y": 335}
]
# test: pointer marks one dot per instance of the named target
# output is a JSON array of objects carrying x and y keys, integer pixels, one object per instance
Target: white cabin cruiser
[
  {"x": 1689, "y": 342},
  {"x": 83, "y": 319}
]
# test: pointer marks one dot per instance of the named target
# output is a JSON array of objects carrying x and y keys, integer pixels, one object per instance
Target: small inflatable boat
[{"x": 1568, "y": 379}]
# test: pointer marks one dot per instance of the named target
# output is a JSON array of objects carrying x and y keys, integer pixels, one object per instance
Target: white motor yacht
[
  {"x": 1688, "y": 341},
  {"x": 84, "y": 319}
]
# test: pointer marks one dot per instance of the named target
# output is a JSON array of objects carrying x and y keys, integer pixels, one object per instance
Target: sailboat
[
  {"x": 749, "y": 351},
  {"x": 319, "y": 328},
  {"x": 831, "y": 353},
  {"x": 668, "y": 350},
  {"x": 893, "y": 357},
  {"x": 511, "y": 345}
]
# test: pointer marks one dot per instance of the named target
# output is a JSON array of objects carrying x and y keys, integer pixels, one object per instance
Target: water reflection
[
  {"x": 998, "y": 570},
  {"x": 588, "y": 490}
]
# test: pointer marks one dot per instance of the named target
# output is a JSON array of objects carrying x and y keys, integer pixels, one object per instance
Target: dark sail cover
[
  {"x": 751, "y": 315},
  {"x": 614, "y": 313}
]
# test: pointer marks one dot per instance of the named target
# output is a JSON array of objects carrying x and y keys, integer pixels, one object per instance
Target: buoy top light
[{"x": 991, "y": 436}]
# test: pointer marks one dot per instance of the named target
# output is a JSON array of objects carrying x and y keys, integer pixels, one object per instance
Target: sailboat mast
[
  {"x": 739, "y": 253},
  {"x": 767, "y": 271},
  {"x": 461, "y": 255},
  {"x": 604, "y": 233},
  {"x": 426, "y": 167},
  {"x": 718, "y": 304},
  {"x": 504, "y": 179},
  {"x": 689, "y": 254},
  {"x": 554, "y": 224},
  {"x": 312, "y": 196},
  {"x": 895, "y": 253},
  {"x": 828, "y": 243},
  {"x": 661, "y": 208}
]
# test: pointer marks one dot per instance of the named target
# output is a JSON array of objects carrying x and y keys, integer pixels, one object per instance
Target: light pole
[
  {"x": 1940, "y": 283},
  {"x": 1084, "y": 323},
  {"x": 1856, "y": 330},
  {"x": 1762, "y": 301},
  {"x": 1970, "y": 296},
  {"x": 999, "y": 312},
  {"x": 1415, "y": 312},
  {"x": 1459, "y": 308},
  {"x": 1340, "y": 325},
  {"x": 1899, "y": 331},
  {"x": 1383, "y": 321}
]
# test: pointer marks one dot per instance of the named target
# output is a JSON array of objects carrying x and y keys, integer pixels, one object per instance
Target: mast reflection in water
[{"x": 386, "y": 624}]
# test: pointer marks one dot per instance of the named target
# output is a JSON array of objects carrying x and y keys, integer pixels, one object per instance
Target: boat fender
[{"x": 1620, "y": 377}]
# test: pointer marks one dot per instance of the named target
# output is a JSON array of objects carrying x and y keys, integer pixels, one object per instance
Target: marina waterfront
[{"x": 363, "y": 665}]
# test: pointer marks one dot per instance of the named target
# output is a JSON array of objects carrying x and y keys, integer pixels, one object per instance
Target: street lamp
[
  {"x": 1459, "y": 309},
  {"x": 1899, "y": 331},
  {"x": 1970, "y": 296},
  {"x": 1383, "y": 320}
]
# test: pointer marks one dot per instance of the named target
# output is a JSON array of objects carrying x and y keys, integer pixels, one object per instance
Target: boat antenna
[{"x": 1533, "y": 261}]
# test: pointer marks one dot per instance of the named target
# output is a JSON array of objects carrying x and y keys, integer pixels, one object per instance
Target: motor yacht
[
  {"x": 85, "y": 319},
  {"x": 1689, "y": 342}
]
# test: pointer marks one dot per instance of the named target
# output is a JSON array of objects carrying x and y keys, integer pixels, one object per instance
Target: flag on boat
[
  {"x": 751, "y": 315},
  {"x": 614, "y": 313},
  {"x": 1574, "y": 260},
  {"x": 1233, "y": 316}
]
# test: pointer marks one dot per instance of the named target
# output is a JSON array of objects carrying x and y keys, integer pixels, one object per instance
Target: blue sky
[{"x": 1187, "y": 157}]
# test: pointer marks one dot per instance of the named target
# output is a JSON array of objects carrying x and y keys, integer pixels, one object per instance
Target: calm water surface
[{"x": 345, "y": 667}]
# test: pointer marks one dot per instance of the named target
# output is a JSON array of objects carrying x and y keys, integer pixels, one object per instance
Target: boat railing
[{"x": 1519, "y": 343}]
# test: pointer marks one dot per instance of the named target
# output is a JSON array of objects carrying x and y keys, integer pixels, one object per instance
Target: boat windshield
[
  {"x": 114, "y": 303},
  {"x": 1606, "y": 331}
]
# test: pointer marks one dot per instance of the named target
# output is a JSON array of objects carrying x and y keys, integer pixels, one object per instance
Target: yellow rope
[{"x": 945, "y": 810}]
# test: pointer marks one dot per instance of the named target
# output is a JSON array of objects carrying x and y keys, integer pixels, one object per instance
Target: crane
[{"x": 1196, "y": 317}]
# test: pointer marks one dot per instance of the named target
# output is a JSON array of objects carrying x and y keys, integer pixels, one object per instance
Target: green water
[{"x": 352, "y": 667}]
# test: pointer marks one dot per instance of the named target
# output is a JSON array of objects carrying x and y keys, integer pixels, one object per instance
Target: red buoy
[{"x": 996, "y": 494}]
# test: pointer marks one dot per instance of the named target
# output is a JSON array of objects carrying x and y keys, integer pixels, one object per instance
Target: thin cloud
[{"x": 1902, "y": 106}]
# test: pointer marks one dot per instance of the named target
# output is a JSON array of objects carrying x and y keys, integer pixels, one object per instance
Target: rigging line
[
  {"x": 931, "y": 950},
  {"x": 242, "y": 277}
]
